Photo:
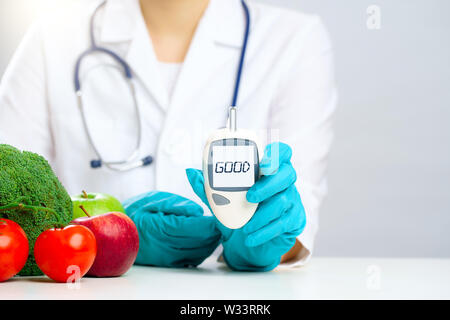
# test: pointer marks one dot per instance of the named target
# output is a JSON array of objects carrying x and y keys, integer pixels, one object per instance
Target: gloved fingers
[
  {"x": 224, "y": 231},
  {"x": 261, "y": 258},
  {"x": 177, "y": 205},
  {"x": 268, "y": 232},
  {"x": 301, "y": 221},
  {"x": 196, "y": 180},
  {"x": 150, "y": 231},
  {"x": 184, "y": 245},
  {"x": 159, "y": 253},
  {"x": 268, "y": 211},
  {"x": 179, "y": 232},
  {"x": 275, "y": 154},
  {"x": 134, "y": 203},
  {"x": 192, "y": 256},
  {"x": 150, "y": 225},
  {"x": 290, "y": 222},
  {"x": 185, "y": 208},
  {"x": 158, "y": 201},
  {"x": 268, "y": 186},
  {"x": 191, "y": 228},
  {"x": 283, "y": 244}
]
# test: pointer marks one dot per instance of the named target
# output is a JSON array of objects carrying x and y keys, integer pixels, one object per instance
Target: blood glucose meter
[{"x": 230, "y": 168}]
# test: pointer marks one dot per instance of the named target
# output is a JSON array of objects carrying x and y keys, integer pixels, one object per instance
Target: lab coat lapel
[
  {"x": 142, "y": 60},
  {"x": 218, "y": 39},
  {"x": 123, "y": 24}
]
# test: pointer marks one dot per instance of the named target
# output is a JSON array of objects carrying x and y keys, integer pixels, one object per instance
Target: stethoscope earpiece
[
  {"x": 96, "y": 164},
  {"x": 147, "y": 160}
]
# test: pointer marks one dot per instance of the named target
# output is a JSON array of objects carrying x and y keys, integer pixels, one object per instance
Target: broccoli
[{"x": 32, "y": 196}]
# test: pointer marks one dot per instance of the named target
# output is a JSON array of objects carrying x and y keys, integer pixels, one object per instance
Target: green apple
[{"x": 95, "y": 204}]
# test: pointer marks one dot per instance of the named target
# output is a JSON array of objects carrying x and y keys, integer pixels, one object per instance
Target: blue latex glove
[
  {"x": 172, "y": 230},
  {"x": 279, "y": 219}
]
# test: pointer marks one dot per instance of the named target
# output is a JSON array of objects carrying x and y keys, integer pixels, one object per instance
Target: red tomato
[
  {"x": 13, "y": 249},
  {"x": 65, "y": 254}
]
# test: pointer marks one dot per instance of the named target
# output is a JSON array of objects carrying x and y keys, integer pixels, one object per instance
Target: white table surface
[{"x": 322, "y": 278}]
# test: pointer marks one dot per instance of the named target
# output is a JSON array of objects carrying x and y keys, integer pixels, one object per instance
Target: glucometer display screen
[{"x": 233, "y": 166}]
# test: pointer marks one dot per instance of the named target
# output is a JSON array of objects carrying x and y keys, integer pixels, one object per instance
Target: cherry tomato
[
  {"x": 65, "y": 254},
  {"x": 13, "y": 249}
]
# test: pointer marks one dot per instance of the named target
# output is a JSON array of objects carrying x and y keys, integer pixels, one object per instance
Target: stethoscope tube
[
  {"x": 242, "y": 57},
  {"x": 131, "y": 161}
]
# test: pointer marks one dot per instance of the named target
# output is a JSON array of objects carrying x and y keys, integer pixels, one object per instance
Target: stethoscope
[{"x": 132, "y": 161}]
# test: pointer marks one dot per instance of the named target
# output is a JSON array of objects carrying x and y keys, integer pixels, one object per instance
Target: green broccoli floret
[{"x": 32, "y": 196}]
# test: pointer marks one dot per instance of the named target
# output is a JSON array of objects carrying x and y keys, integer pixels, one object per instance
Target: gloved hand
[
  {"x": 279, "y": 219},
  {"x": 172, "y": 230}
]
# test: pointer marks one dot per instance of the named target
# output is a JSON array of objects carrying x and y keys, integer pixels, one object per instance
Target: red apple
[{"x": 117, "y": 243}]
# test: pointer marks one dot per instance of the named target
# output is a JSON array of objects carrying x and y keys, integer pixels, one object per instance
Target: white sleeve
[
  {"x": 24, "y": 116},
  {"x": 302, "y": 112}
]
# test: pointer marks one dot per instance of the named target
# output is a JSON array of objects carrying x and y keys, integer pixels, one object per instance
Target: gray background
[{"x": 389, "y": 175}]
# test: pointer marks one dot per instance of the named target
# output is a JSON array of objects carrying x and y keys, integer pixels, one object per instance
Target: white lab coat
[{"x": 287, "y": 86}]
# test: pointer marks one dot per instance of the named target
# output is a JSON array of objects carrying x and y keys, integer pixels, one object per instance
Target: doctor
[{"x": 183, "y": 56}]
